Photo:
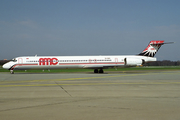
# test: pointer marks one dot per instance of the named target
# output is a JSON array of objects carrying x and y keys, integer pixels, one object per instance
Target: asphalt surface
[{"x": 125, "y": 96}]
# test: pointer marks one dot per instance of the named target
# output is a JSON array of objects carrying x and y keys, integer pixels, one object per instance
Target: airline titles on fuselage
[{"x": 55, "y": 61}]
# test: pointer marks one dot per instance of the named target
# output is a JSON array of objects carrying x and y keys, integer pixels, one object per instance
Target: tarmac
[{"x": 89, "y": 96}]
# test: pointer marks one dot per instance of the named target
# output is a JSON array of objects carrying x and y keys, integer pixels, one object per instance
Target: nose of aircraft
[{"x": 6, "y": 66}]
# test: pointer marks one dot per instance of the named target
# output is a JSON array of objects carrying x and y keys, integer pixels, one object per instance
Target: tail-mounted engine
[{"x": 133, "y": 62}]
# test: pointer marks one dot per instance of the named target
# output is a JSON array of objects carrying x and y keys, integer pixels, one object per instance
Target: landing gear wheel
[
  {"x": 101, "y": 71},
  {"x": 95, "y": 70},
  {"x": 11, "y": 71}
]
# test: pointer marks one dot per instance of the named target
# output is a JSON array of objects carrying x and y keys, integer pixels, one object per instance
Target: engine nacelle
[{"x": 133, "y": 62}]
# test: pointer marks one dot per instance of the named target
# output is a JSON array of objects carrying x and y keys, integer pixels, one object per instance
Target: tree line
[
  {"x": 2, "y": 62},
  {"x": 163, "y": 63},
  {"x": 156, "y": 63}
]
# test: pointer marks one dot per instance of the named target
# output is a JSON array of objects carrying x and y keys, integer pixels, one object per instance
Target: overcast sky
[{"x": 88, "y": 27}]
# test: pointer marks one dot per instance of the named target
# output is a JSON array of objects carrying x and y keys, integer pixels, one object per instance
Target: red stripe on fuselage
[{"x": 111, "y": 63}]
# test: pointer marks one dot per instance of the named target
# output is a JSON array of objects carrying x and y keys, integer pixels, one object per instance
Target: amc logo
[{"x": 48, "y": 61}]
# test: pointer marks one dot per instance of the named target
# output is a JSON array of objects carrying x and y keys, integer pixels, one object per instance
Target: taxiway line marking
[
  {"x": 25, "y": 83},
  {"x": 81, "y": 84},
  {"x": 67, "y": 79}
]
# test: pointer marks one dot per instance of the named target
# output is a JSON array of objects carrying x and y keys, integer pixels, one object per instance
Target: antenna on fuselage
[{"x": 36, "y": 55}]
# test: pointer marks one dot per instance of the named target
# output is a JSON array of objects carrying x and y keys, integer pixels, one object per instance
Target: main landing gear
[{"x": 100, "y": 71}]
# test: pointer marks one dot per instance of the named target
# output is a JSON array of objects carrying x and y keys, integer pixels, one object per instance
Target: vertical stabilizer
[{"x": 152, "y": 48}]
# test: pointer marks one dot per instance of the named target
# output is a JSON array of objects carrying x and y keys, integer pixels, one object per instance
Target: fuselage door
[
  {"x": 116, "y": 60},
  {"x": 20, "y": 60}
]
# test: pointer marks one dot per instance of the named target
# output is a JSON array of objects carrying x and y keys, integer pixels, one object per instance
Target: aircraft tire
[
  {"x": 101, "y": 71},
  {"x": 12, "y": 72},
  {"x": 95, "y": 70}
]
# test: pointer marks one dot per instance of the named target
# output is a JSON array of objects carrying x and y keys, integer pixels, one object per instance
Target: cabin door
[
  {"x": 116, "y": 60},
  {"x": 20, "y": 60}
]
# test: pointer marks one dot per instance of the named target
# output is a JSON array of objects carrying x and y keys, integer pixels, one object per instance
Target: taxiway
[{"x": 129, "y": 96}]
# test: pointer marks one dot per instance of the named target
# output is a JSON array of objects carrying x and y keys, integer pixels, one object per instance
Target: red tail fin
[{"x": 152, "y": 48}]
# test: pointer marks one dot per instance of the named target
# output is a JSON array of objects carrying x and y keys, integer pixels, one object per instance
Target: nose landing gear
[{"x": 11, "y": 71}]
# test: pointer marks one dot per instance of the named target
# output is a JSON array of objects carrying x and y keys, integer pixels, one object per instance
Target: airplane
[{"x": 98, "y": 63}]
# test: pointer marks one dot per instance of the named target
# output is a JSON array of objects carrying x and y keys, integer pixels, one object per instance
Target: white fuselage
[{"x": 61, "y": 62}]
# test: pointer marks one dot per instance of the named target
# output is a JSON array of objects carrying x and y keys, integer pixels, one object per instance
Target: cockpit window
[{"x": 14, "y": 60}]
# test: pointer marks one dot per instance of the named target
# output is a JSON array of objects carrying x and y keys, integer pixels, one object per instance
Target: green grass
[{"x": 151, "y": 68}]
